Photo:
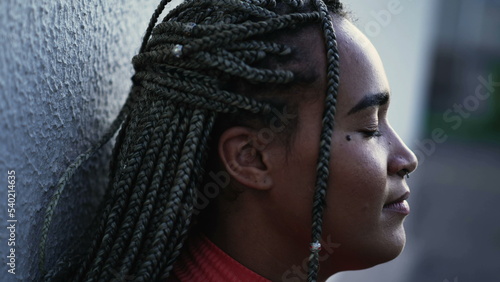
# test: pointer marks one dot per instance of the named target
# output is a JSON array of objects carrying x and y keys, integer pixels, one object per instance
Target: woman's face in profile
[{"x": 367, "y": 167}]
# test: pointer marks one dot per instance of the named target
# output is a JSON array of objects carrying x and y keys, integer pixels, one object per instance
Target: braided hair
[{"x": 187, "y": 76}]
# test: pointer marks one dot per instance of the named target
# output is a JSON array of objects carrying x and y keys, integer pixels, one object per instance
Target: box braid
[{"x": 178, "y": 92}]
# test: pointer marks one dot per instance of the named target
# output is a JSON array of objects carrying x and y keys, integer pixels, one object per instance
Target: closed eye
[{"x": 371, "y": 133}]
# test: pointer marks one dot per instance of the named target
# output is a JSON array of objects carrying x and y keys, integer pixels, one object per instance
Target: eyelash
[{"x": 371, "y": 133}]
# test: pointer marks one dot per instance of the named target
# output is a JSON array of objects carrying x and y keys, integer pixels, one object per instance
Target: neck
[{"x": 247, "y": 232}]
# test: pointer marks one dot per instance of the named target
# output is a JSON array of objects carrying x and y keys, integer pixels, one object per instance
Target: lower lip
[{"x": 399, "y": 207}]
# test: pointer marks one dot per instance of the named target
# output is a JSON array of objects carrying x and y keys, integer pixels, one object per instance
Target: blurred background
[{"x": 65, "y": 70}]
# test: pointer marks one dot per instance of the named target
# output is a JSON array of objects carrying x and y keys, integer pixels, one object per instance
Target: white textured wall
[{"x": 64, "y": 72}]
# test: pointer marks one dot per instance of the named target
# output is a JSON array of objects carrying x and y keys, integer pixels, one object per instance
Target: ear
[{"x": 244, "y": 158}]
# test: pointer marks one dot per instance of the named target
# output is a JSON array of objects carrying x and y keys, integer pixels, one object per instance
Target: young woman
[{"x": 250, "y": 122}]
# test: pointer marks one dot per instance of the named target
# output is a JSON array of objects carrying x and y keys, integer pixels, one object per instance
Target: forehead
[{"x": 361, "y": 69}]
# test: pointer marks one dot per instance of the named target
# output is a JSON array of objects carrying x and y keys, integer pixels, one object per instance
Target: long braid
[
  {"x": 152, "y": 23},
  {"x": 333, "y": 79},
  {"x": 179, "y": 89},
  {"x": 187, "y": 181},
  {"x": 137, "y": 199},
  {"x": 155, "y": 200}
]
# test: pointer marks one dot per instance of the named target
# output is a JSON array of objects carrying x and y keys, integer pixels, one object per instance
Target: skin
[{"x": 267, "y": 227}]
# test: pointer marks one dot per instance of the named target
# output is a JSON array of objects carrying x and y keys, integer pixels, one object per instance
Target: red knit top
[{"x": 203, "y": 261}]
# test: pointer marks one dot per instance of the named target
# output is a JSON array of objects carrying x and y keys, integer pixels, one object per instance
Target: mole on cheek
[{"x": 348, "y": 137}]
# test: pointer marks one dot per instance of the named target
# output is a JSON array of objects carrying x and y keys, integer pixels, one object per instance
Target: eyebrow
[{"x": 378, "y": 99}]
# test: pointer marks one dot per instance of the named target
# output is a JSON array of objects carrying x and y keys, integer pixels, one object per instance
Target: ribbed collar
[{"x": 202, "y": 260}]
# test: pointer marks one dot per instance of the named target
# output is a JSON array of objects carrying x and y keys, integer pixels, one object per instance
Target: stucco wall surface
[{"x": 64, "y": 73}]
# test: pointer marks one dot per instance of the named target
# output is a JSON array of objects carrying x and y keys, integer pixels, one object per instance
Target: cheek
[
  {"x": 361, "y": 166},
  {"x": 357, "y": 183}
]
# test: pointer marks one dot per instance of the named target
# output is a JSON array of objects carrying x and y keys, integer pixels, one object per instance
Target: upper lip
[{"x": 403, "y": 197}]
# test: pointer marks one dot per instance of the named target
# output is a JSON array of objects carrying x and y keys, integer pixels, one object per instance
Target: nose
[{"x": 402, "y": 160}]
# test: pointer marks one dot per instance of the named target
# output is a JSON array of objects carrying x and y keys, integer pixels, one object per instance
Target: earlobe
[{"x": 244, "y": 159}]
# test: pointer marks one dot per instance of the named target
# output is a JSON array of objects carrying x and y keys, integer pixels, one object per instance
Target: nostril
[{"x": 404, "y": 172}]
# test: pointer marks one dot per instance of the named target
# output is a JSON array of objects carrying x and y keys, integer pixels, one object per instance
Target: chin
[
  {"x": 384, "y": 251},
  {"x": 370, "y": 253},
  {"x": 369, "y": 257}
]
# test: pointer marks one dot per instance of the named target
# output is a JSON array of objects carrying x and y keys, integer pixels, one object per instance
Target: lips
[{"x": 400, "y": 205}]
